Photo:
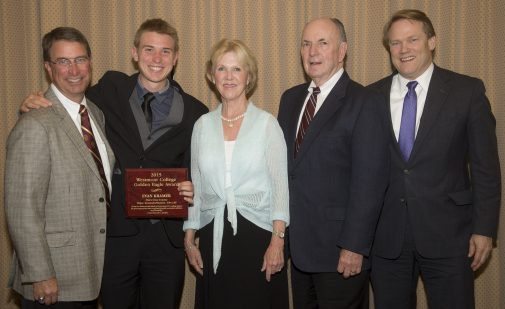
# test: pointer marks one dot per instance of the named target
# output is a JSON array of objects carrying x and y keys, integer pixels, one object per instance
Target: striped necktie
[
  {"x": 308, "y": 114},
  {"x": 89, "y": 139}
]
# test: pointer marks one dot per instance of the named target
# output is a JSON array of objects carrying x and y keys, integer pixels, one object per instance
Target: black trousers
[
  {"x": 329, "y": 290},
  {"x": 30, "y": 304},
  {"x": 143, "y": 271},
  {"x": 448, "y": 282}
]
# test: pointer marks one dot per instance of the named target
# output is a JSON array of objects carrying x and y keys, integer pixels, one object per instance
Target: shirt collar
[
  {"x": 423, "y": 80},
  {"x": 329, "y": 84},
  {"x": 71, "y": 106},
  {"x": 141, "y": 91}
]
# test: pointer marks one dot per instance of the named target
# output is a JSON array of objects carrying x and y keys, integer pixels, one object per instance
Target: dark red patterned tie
[
  {"x": 308, "y": 114},
  {"x": 89, "y": 139}
]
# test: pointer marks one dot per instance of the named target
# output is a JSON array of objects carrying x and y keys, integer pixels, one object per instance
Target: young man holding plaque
[{"x": 144, "y": 259}]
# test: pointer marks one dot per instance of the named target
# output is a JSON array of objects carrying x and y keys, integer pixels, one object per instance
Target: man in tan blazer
[{"x": 57, "y": 185}]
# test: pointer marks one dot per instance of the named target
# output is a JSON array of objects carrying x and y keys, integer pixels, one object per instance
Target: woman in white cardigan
[{"x": 239, "y": 172}]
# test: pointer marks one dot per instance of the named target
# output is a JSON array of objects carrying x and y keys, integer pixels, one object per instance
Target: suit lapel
[
  {"x": 330, "y": 106},
  {"x": 385, "y": 89},
  {"x": 125, "y": 118},
  {"x": 435, "y": 99},
  {"x": 94, "y": 110},
  {"x": 299, "y": 99},
  {"x": 68, "y": 126}
]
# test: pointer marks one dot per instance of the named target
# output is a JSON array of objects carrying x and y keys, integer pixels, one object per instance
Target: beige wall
[{"x": 471, "y": 40}]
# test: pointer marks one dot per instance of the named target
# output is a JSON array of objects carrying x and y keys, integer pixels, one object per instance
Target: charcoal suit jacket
[
  {"x": 338, "y": 178},
  {"x": 450, "y": 187}
]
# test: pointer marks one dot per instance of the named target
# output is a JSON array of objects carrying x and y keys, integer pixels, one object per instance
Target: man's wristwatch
[{"x": 279, "y": 234}]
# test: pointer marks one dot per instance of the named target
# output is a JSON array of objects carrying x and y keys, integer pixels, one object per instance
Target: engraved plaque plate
[{"x": 152, "y": 193}]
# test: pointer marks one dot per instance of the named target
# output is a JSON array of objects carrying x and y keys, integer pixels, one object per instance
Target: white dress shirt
[
  {"x": 73, "y": 110},
  {"x": 325, "y": 91},
  {"x": 399, "y": 90}
]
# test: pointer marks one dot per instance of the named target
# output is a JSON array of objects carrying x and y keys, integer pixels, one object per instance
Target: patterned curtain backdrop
[{"x": 470, "y": 35}]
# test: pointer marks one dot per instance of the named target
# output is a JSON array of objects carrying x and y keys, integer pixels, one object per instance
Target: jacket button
[
  {"x": 402, "y": 200},
  {"x": 102, "y": 231},
  {"x": 101, "y": 200},
  {"x": 406, "y": 171}
]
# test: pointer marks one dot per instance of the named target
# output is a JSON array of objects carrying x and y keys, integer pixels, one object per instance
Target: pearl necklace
[{"x": 230, "y": 121}]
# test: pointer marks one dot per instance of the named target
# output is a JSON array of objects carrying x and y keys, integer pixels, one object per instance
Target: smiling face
[
  {"x": 410, "y": 48},
  {"x": 156, "y": 58},
  {"x": 322, "y": 50},
  {"x": 71, "y": 80},
  {"x": 230, "y": 77}
]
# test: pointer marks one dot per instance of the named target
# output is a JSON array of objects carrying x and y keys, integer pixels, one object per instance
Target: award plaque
[{"x": 152, "y": 193}]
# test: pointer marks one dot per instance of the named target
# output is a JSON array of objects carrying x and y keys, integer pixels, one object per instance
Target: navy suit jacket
[
  {"x": 112, "y": 94},
  {"x": 450, "y": 187},
  {"x": 338, "y": 179}
]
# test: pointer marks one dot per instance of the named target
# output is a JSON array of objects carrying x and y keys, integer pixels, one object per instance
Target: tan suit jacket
[{"x": 55, "y": 203}]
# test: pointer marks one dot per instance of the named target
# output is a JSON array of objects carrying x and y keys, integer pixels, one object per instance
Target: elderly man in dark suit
[
  {"x": 336, "y": 135},
  {"x": 442, "y": 205},
  {"x": 144, "y": 259},
  {"x": 57, "y": 180}
]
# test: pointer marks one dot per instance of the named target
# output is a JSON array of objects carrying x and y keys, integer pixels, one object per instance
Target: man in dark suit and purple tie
[
  {"x": 336, "y": 135},
  {"x": 441, "y": 208}
]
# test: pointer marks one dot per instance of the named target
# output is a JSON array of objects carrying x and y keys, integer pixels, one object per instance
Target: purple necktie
[
  {"x": 408, "y": 124},
  {"x": 308, "y": 114}
]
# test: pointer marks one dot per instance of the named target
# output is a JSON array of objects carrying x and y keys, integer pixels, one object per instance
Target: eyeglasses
[{"x": 66, "y": 62}]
